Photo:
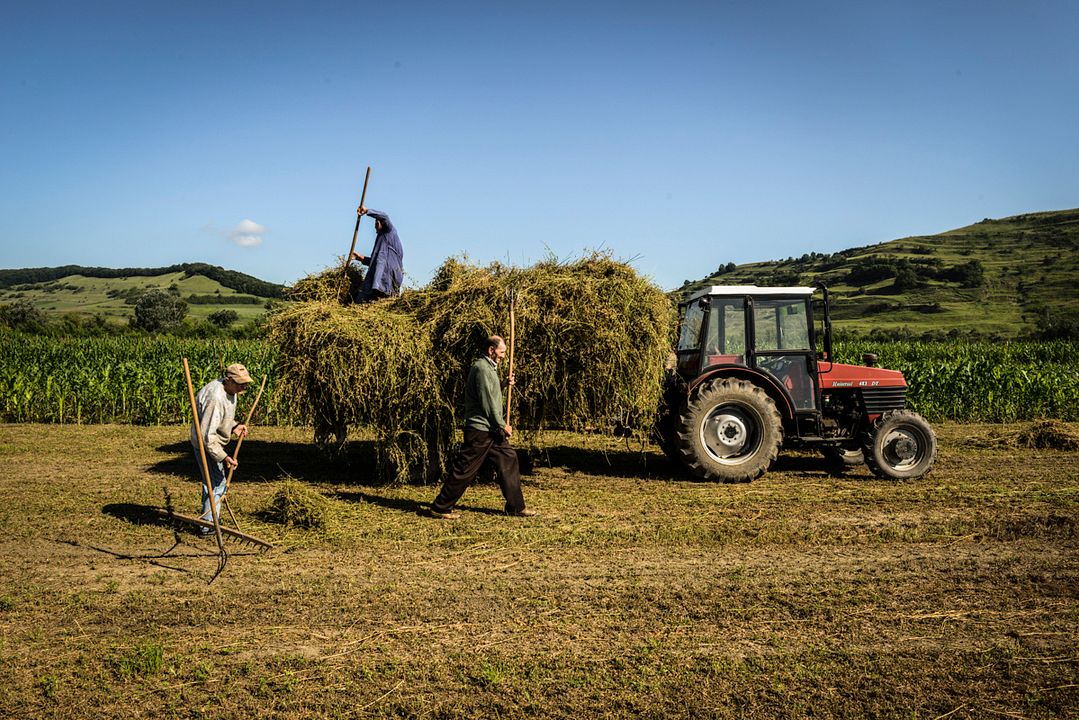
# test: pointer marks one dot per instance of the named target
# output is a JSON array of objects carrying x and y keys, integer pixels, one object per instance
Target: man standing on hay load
[
  {"x": 385, "y": 265},
  {"x": 216, "y": 403},
  {"x": 486, "y": 436}
]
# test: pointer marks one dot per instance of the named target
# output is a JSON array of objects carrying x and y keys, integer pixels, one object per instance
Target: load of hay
[{"x": 592, "y": 337}]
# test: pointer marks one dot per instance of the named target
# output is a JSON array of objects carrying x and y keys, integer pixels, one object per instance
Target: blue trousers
[{"x": 217, "y": 479}]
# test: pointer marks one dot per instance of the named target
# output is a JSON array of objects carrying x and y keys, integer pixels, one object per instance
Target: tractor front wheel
[
  {"x": 900, "y": 446},
  {"x": 730, "y": 430}
]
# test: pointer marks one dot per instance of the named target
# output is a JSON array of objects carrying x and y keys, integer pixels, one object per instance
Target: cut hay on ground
[
  {"x": 295, "y": 505},
  {"x": 592, "y": 337},
  {"x": 1049, "y": 434}
]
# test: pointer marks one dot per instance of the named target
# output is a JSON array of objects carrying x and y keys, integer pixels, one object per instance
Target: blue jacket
[{"x": 386, "y": 263}]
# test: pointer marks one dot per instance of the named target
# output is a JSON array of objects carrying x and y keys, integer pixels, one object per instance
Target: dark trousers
[
  {"x": 477, "y": 447},
  {"x": 365, "y": 296}
]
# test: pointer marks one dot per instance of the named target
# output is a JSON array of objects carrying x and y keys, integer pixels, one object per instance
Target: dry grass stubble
[{"x": 634, "y": 593}]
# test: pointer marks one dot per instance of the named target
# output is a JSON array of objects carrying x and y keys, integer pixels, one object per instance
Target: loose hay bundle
[
  {"x": 296, "y": 505},
  {"x": 331, "y": 285},
  {"x": 1049, "y": 434},
  {"x": 592, "y": 339}
]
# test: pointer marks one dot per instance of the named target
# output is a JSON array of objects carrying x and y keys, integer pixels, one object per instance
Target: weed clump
[
  {"x": 592, "y": 337},
  {"x": 1049, "y": 435},
  {"x": 296, "y": 505},
  {"x": 143, "y": 660}
]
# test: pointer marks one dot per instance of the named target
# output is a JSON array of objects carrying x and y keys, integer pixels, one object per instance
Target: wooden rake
[
  {"x": 512, "y": 296},
  {"x": 236, "y": 452},
  {"x": 223, "y": 555}
]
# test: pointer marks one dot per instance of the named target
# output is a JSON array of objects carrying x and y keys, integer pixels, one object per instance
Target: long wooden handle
[
  {"x": 363, "y": 196},
  {"x": 240, "y": 441},
  {"x": 513, "y": 333},
  {"x": 202, "y": 456}
]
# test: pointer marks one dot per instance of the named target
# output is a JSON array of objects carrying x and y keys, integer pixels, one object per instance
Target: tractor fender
[{"x": 763, "y": 380}]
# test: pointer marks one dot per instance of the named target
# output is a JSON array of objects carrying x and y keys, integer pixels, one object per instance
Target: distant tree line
[
  {"x": 231, "y": 279},
  {"x": 913, "y": 274}
]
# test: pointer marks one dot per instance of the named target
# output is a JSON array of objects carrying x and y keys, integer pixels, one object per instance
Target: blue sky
[{"x": 682, "y": 135}]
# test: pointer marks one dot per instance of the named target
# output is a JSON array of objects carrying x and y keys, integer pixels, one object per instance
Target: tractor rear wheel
[
  {"x": 730, "y": 430},
  {"x": 900, "y": 446}
]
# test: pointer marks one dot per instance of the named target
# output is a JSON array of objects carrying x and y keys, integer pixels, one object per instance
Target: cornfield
[
  {"x": 139, "y": 380},
  {"x": 127, "y": 379},
  {"x": 981, "y": 381}
]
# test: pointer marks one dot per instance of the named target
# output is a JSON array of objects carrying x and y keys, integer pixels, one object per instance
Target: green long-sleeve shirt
[{"x": 483, "y": 397}]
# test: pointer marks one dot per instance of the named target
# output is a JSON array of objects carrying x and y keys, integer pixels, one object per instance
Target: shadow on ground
[
  {"x": 265, "y": 461},
  {"x": 407, "y": 505},
  {"x": 609, "y": 463},
  {"x": 146, "y": 515}
]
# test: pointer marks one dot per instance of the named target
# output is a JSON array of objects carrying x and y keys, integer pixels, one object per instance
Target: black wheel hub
[{"x": 904, "y": 449}]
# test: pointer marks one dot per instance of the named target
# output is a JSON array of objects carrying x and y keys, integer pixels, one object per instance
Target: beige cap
[{"x": 238, "y": 373}]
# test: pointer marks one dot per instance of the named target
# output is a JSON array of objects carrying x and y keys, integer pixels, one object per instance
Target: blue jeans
[{"x": 217, "y": 479}]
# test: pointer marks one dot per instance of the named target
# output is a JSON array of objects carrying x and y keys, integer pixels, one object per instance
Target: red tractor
[{"x": 749, "y": 378}]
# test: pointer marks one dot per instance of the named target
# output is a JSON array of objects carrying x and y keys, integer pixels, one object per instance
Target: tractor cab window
[
  {"x": 689, "y": 339},
  {"x": 725, "y": 335},
  {"x": 781, "y": 325},
  {"x": 692, "y": 322},
  {"x": 781, "y": 331}
]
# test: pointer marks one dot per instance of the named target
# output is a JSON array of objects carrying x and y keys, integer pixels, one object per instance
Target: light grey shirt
[{"x": 217, "y": 413}]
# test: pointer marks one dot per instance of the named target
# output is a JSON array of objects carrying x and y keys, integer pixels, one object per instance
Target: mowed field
[{"x": 634, "y": 593}]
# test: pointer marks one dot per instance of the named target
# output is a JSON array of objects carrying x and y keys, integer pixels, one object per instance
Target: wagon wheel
[
  {"x": 330, "y": 436},
  {"x": 844, "y": 456}
]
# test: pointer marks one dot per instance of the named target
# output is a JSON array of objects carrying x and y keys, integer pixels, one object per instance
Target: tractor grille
[{"x": 879, "y": 400}]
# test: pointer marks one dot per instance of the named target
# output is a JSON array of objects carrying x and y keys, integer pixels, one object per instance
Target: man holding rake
[
  {"x": 216, "y": 403},
  {"x": 486, "y": 436}
]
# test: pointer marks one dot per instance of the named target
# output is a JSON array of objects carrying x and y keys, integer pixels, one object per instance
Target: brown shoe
[
  {"x": 524, "y": 513},
  {"x": 448, "y": 515}
]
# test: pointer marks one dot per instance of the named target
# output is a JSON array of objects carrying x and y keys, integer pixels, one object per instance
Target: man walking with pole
[{"x": 486, "y": 435}]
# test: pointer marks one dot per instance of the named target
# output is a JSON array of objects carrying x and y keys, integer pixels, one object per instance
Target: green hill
[
  {"x": 111, "y": 292},
  {"x": 1004, "y": 278}
]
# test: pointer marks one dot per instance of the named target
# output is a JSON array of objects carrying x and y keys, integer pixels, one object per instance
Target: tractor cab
[{"x": 766, "y": 333}]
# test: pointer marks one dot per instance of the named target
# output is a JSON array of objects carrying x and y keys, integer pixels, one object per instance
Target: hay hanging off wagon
[
  {"x": 362, "y": 365},
  {"x": 592, "y": 339}
]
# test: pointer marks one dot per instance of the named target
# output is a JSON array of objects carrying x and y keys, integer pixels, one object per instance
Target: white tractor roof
[{"x": 750, "y": 290}]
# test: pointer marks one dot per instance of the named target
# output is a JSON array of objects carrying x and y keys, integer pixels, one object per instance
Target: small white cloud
[{"x": 247, "y": 233}]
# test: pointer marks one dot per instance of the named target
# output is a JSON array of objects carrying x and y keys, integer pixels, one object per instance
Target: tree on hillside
[
  {"x": 157, "y": 310},
  {"x": 22, "y": 315},
  {"x": 906, "y": 278},
  {"x": 223, "y": 318},
  {"x": 969, "y": 274}
]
